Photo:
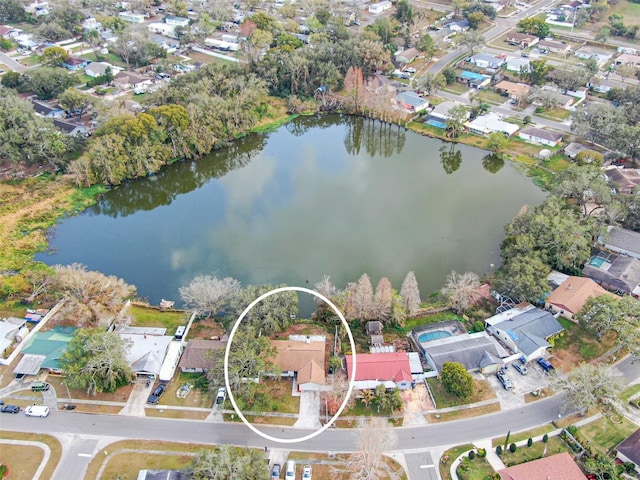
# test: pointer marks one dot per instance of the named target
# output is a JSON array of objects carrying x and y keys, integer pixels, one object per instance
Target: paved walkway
[{"x": 43, "y": 446}]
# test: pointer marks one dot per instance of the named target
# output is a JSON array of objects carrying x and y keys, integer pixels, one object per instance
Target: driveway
[
  {"x": 309, "y": 415},
  {"x": 416, "y": 401},
  {"x": 137, "y": 400},
  {"x": 522, "y": 384}
]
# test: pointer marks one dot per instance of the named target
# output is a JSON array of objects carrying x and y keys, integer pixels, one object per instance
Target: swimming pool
[
  {"x": 597, "y": 262},
  {"x": 433, "y": 335},
  {"x": 436, "y": 123}
]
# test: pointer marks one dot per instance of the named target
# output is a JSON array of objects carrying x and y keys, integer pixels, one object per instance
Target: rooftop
[
  {"x": 574, "y": 292},
  {"x": 540, "y": 133},
  {"x": 379, "y": 366},
  {"x": 560, "y": 466}
]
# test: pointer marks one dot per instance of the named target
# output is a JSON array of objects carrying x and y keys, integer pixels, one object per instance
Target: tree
[
  {"x": 135, "y": 48},
  {"x": 337, "y": 391},
  {"x": 470, "y": 39},
  {"x": 76, "y": 101},
  {"x": 523, "y": 277},
  {"x": 12, "y": 11},
  {"x": 382, "y": 300},
  {"x": 363, "y": 299},
  {"x": 96, "y": 361},
  {"x": 537, "y": 73},
  {"x": 90, "y": 297},
  {"x": 460, "y": 288},
  {"x": 497, "y": 141},
  {"x": 404, "y": 12},
  {"x": 430, "y": 83},
  {"x": 398, "y": 309},
  {"x": 456, "y": 380},
  {"x": 228, "y": 463},
  {"x": 610, "y": 313},
  {"x": 208, "y": 294},
  {"x": 273, "y": 314},
  {"x": 602, "y": 466},
  {"x": 475, "y": 19},
  {"x": 426, "y": 45},
  {"x": 374, "y": 437},
  {"x": 486, "y": 9},
  {"x": 449, "y": 75},
  {"x": 583, "y": 184},
  {"x": 455, "y": 120},
  {"x": 603, "y": 34},
  {"x": 47, "y": 82},
  {"x": 534, "y": 26},
  {"x": 410, "y": 293},
  {"x": 626, "y": 71},
  {"x": 54, "y": 56},
  {"x": 589, "y": 386}
]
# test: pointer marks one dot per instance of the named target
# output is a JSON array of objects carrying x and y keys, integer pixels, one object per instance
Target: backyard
[
  {"x": 578, "y": 344},
  {"x": 142, "y": 316}
]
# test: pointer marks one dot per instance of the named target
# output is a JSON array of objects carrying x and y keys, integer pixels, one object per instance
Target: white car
[
  {"x": 221, "y": 396},
  {"x": 36, "y": 411},
  {"x": 306, "y": 472}
]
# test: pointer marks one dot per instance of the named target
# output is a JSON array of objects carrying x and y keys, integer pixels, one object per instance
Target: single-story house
[
  {"x": 392, "y": 369},
  {"x": 620, "y": 275},
  {"x": 70, "y": 128},
  {"x": 629, "y": 449},
  {"x": 601, "y": 56},
  {"x": 9, "y": 32},
  {"x": 378, "y": 8},
  {"x": 26, "y": 40},
  {"x": 457, "y": 26},
  {"x": 562, "y": 100},
  {"x": 627, "y": 180},
  {"x": 11, "y": 329},
  {"x": 603, "y": 85},
  {"x": 553, "y": 46},
  {"x": 574, "y": 149},
  {"x": 302, "y": 357},
  {"x": 98, "y": 69},
  {"x": 176, "y": 21},
  {"x": 474, "y": 80},
  {"x": 75, "y": 63},
  {"x": 525, "y": 40},
  {"x": 540, "y": 136},
  {"x": 440, "y": 114},
  {"x": 518, "y": 65},
  {"x": 490, "y": 123},
  {"x": 43, "y": 350},
  {"x": 628, "y": 59},
  {"x": 485, "y": 60},
  {"x": 48, "y": 111},
  {"x": 411, "y": 102},
  {"x": 570, "y": 297},
  {"x": 132, "y": 17},
  {"x": 197, "y": 357},
  {"x": 525, "y": 330},
  {"x": 476, "y": 351},
  {"x": 407, "y": 56},
  {"x": 146, "y": 351},
  {"x": 517, "y": 91},
  {"x": 162, "y": 29},
  {"x": 621, "y": 240},
  {"x": 127, "y": 79},
  {"x": 560, "y": 466}
]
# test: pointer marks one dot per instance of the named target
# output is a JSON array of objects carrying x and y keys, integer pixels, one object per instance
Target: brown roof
[
  {"x": 574, "y": 292},
  {"x": 130, "y": 77},
  {"x": 520, "y": 36},
  {"x": 512, "y": 88},
  {"x": 305, "y": 358},
  {"x": 560, "y": 467},
  {"x": 195, "y": 354},
  {"x": 630, "y": 448},
  {"x": 628, "y": 179}
]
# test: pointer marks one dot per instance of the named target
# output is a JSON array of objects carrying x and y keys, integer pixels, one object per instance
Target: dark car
[
  {"x": 156, "y": 394},
  {"x": 545, "y": 364},
  {"x": 10, "y": 409},
  {"x": 504, "y": 380},
  {"x": 275, "y": 472}
]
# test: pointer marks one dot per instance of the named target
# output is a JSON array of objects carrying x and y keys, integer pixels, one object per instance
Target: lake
[{"x": 332, "y": 195}]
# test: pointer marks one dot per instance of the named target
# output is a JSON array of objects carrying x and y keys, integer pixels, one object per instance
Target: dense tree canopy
[
  {"x": 229, "y": 463},
  {"x": 456, "y": 380},
  {"x": 272, "y": 314}
]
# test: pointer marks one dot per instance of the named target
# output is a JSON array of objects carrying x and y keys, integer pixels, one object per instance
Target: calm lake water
[{"x": 330, "y": 195}]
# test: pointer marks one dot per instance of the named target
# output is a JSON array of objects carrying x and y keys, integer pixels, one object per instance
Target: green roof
[{"x": 51, "y": 344}]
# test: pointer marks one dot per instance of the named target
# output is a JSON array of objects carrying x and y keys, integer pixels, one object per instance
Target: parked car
[
  {"x": 290, "y": 473},
  {"x": 221, "y": 396},
  {"x": 40, "y": 386},
  {"x": 154, "y": 398},
  {"x": 10, "y": 409},
  {"x": 306, "y": 472},
  {"x": 521, "y": 368},
  {"x": 410, "y": 70},
  {"x": 275, "y": 472},
  {"x": 504, "y": 380},
  {"x": 36, "y": 411},
  {"x": 545, "y": 364}
]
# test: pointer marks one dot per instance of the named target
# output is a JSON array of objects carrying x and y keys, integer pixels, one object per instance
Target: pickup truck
[{"x": 546, "y": 366}]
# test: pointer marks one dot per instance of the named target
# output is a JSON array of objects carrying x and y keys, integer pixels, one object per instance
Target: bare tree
[
  {"x": 460, "y": 289},
  {"x": 41, "y": 278},
  {"x": 206, "y": 293},
  {"x": 336, "y": 393},
  {"x": 589, "y": 386},
  {"x": 375, "y": 436},
  {"x": 90, "y": 296},
  {"x": 363, "y": 298},
  {"x": 383, "y": 299},
  {"x": 410, "y": 293},
  {"x": 326, "y": 288}
]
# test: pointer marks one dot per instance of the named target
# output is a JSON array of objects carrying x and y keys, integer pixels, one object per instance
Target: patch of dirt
[
  {"x": 206, "y": 328},
  {"x": 566, "y": 359}
]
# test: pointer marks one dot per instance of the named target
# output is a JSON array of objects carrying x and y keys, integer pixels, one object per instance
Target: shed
[{"x": 373, "y": 327}]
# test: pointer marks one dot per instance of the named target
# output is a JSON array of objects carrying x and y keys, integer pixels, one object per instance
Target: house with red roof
[
  {"x": 560, "y": 466},
  {"x": 392, "y": 369}
]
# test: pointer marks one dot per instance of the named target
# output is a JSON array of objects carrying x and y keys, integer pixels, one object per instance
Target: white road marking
[
  {"x": 85, "y": 455},
  {"x": 427, "y": 466}
]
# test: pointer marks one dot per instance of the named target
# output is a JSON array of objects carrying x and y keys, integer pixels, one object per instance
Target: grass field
[
  {"x": 464, "y": 413},
  {"x": 604, "y": 435},
  {"x": 516, "y": 437},
  {"x": 21, "y": 463},
  {"x": 481, "y": 391},
  {"x": 578, "y": 344},
  {"x": 152, "y": 317},
  {"x": 449, "y": 457},
  {"x": 526, "y": 454}
]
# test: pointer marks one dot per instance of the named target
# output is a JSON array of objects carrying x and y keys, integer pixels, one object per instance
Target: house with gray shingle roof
[
  {"x": 620, "y": 275},
  {"x": 629, "y": 449},
  {"x": 621, "y": 240},
  {"x": 525, "y": 330},
  {"x": 476, "y": 351},
  {"x": 540, "y": 136}
]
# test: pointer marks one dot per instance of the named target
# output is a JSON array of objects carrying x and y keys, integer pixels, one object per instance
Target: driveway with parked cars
[{"x": 535, "y": 379}]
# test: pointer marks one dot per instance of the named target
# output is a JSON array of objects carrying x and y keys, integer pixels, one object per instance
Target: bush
[
  {"x": 513, "y": 448},
  {"x": 529, "y": 442},
  {"x": 499, "y": 449},
  {"x": 545, "y": 438},
  {"x": 201, "y": 383},
  {"x": 482, "y": 452},
  {"x": 572, "y": 429},
  {"x": 526, "y": 119},
  {"x": 472, "y": 455}
]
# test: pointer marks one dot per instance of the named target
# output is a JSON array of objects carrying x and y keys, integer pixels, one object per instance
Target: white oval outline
[{"x": 226, "y": 365}]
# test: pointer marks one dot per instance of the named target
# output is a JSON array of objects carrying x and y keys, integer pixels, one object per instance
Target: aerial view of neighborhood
[{"x": 320, "y": 239}]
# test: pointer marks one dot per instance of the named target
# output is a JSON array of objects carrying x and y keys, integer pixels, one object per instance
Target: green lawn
[
  {"x": 555, "y": 113},
  {"x": 491, "y": 97},
  {"x": 151, "y": 317},
  {"x": 30, "y": 61},
  {"x": 516, "y": 437},
  {"x": 557, "y": 163},
  {"x": 630, "y": 392},
  {"x": 456, "y": 87},
  {"x": 604, "y": 434},
  {"x": 526, "y": 454},
  {"x": 577, "y": 339},
  {"x": 476, "y": 469},
  {"x": 481, "y": 388},
  {"x": 438, "y": 317},
  {"x": 449, "y": 457}
]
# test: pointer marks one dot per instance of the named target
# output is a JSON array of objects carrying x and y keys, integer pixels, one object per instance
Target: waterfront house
[
  {"x": 540, "y": 136},
  {"x": 570, "y": 297},
  {"x": 391, "y": 369}
]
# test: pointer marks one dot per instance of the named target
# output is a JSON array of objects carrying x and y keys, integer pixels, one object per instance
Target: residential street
[{"x": 11, "y": 63}]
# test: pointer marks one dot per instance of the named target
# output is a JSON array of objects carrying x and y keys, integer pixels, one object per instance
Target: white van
[
  {"x": 290, "y": 473},
  {"x": 36, "y": 411}
]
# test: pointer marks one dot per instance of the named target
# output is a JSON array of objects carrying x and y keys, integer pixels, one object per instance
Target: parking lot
[{"x": 535, "y": 379}]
